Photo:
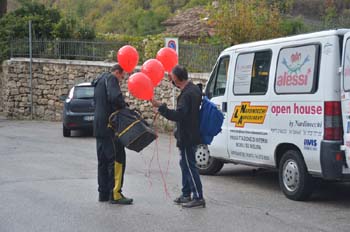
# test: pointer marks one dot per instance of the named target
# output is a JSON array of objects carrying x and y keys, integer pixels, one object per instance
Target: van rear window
[
  {"x": 346, "y": 70},
  {"x": 297, "y": 69}
]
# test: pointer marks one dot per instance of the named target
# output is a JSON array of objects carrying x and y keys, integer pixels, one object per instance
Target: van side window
[
  {"x": 297, "y": 70},
  {"x": 346, "y": 69},
  {"x": 217, "y": 84},
  {"x": 252, "y": 73}
]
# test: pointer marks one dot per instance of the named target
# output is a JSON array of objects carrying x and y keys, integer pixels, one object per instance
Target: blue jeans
[{"x": 191, "y": 182}]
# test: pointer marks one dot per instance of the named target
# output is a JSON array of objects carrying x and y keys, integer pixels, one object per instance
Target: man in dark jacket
[
  {"x": 187, "y": 135},
  {"x": 110, "y": 152}
]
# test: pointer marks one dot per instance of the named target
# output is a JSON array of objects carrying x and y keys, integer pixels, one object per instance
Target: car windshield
[{"x": 83, "y": 92}]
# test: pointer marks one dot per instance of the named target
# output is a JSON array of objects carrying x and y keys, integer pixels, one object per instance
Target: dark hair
[
  {"x": 180, "y": 72},
  {"x": 117, "y": 67}
]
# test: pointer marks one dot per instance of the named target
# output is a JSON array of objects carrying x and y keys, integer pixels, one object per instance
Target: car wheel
[
  {"x": 206, "y": 164},
  {"x": 66, "y": 132},
  {"x": 295, "y": 181}
]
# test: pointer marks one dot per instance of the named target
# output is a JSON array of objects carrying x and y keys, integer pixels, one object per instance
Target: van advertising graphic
[
  {"x": 243, "y": 73},
  {"x": 246, "y": 113},
  {"x": 310, "y": 144},
  {"x": 347, "y": 67},
  {"x": 295, "y": 70},
  {"x": 249, "y": 144},
  {"x": 295, "y": 118},
  {"x": 346, "y": 71}
]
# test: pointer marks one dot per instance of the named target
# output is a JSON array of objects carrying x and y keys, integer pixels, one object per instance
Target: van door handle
[{"x": 224, "y": 107}]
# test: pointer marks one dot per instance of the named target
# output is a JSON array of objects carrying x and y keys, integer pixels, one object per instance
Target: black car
[{"x": 78, "y": 110}]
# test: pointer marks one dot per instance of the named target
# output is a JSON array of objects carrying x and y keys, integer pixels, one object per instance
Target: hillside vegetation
[
  {"x": 132, "y": 17},
  {"x": 139, "y": 23},
  {"x": 234, "y": 21}
]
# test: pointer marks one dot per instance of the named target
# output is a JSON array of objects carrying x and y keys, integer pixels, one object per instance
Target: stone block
[
  {"x": 14, "y": 92},
  {"x": 51, "y": 102},
  {"x": 43, "y": 101},
  {"x": 39, "y": 110}
]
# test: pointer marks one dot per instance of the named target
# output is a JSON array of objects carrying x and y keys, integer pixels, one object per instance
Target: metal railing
[
  {"x": 65, "y": 49},
  {"x": 197, "y": 58}
]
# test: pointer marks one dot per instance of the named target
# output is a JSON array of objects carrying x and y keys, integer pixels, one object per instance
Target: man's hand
[
  {"x": 170, "y": 78},
  {"x": 155, "y": 103}
]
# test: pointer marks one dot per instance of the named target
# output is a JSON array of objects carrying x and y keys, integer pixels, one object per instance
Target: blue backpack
[{"x": 210, "y": 121}]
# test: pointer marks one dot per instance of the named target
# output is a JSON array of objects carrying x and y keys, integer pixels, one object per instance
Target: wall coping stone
[
  {"x": 200, "y": 76},
  {"x": 64, "y": 62}
]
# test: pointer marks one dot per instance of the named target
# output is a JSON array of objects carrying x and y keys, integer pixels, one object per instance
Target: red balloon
[
  {"x": 128, "y": 58},
  {"x": 168, "y": 57},
  {"x": 154, "y": 70},
  {"x": 140, "y": 86}
]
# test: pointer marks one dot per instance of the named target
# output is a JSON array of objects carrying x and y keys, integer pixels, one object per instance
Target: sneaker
[
  {"x": 122, "y": 201},
  {"x": 194, "y": 203},
  {"x": 181, "y": 199}
]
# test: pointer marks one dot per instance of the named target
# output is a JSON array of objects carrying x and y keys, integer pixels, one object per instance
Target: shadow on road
[
  {"x": 329, "y": 192},
  {"x": 81, "y": 133}
]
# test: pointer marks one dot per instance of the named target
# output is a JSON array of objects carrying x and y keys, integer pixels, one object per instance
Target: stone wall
[
  {"x": 1, "y": 91},
  {"x": 53, "y": 78}
]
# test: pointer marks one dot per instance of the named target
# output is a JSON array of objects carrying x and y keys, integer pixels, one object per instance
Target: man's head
[
  {"x": 179, "y": 76},
  {"x": 118, "y": 72}
]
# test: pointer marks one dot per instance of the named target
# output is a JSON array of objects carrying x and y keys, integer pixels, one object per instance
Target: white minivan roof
[{"x": 289, "y": 39}]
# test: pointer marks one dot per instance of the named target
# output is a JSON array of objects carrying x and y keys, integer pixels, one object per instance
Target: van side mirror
[{"x": 63, "y": 97}]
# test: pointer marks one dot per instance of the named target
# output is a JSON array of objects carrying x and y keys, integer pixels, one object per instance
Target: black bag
[{"x": 131, "y": 129}]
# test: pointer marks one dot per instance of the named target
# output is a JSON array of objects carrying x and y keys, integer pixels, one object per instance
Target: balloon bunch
[{"x": 142, "y": 84}]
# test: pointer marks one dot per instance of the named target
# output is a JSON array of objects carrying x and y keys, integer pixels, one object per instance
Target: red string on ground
[{"x": 156, "y": 150}]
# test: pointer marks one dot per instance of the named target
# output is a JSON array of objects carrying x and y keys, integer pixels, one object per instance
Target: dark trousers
[
  {"x": 110, "y": 166},
  {"x": 191, "y": 182}
]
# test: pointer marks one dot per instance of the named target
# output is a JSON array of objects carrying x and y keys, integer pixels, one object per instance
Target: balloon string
[
  {"x": 170, "y": 152},
  {"x": 148, "y": 172},
  {"x": 165, "y": 187}
]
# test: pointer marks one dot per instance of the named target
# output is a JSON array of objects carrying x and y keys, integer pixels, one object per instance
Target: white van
[{"x": 286, "y": 103}]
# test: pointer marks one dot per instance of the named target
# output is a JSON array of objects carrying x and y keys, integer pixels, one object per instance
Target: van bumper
[{"x": 331, "y": 164}]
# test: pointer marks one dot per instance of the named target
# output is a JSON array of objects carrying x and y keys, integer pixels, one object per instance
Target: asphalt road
[{"x": 48, "y": 183}]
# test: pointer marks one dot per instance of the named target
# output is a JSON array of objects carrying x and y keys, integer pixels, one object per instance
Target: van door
[
  {"x": 248, "y": 103},
  {"x": 345, "y": 94},
  {"x": 216, "y": 91}
]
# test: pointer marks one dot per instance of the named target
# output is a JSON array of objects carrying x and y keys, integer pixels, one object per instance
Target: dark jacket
[
  {"x": 186, "y": 116},
  {"x": 107, "y": 98}
]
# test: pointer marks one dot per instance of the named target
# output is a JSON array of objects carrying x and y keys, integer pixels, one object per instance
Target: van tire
[
  {"x": 66, "y": 132},
  {"x": 295, "y": 181},
  {"x": 213, "y": 167}
]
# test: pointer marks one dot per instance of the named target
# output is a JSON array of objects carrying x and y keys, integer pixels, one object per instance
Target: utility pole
[{"x": 30, "y": 70}]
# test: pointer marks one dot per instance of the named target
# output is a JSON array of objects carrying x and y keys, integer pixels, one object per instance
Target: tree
[
  {"x": 133, "y": 17},
  {"x": 246, "y": 20},
  {"x": 15, "y": 24},
  {"x": 330, "y": 16},
  {"x": 3, "y": 7}
]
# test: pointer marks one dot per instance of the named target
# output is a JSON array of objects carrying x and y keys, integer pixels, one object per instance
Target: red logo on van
[
  {"x": 347, "y": 68},
  {"x": 294, "y": 76},
  {"x": 295, "y": 57},
  {"x": 347, "y": 71}
]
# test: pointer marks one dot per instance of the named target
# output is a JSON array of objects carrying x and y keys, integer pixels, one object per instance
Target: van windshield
[{"x": 83, "y": 92}]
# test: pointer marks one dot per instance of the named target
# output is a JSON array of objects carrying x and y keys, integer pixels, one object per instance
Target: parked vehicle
[
  {"x": 287, "y": 106},
  {"x": 78, "y": 111}
]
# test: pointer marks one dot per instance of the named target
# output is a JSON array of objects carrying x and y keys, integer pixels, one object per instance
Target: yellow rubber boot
[{"x": 118, "y": 170}]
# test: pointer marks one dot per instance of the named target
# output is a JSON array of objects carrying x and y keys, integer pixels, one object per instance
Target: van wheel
[
  {"x": 66, "y": 132},
  {"x": 206, "y": 164},
  {"x": 294, "y": 179}
]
